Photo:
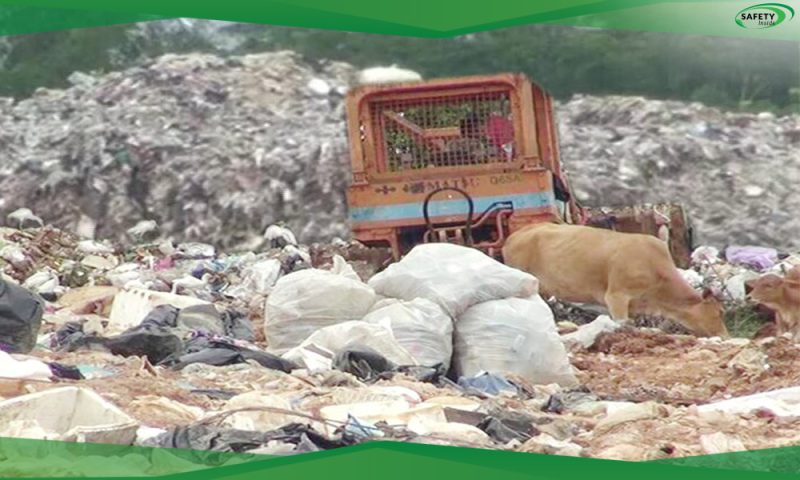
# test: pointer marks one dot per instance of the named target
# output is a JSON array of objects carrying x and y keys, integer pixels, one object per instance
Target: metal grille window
[{"x": 446, "y": 131}]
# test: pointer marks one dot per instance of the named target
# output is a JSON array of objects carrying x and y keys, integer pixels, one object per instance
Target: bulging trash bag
[
  {"x": 305, "y": 301},
  {"x": 383, "y": 302},
  {"x": 323, "y": 345},
  {"x": 513, "y": 335},
  {"x": 20, "y": 317},
  {"x": 341, "y": 267},
  {"x": 452, "y": 276},
  {"x": 421, "y": 327}
]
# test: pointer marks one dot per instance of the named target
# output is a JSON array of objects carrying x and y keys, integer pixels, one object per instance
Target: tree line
[{"x": 737, "y": 74}]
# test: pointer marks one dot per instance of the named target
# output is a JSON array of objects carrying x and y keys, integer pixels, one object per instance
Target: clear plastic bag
[
  {"x": 305, "y": 301},
  {"x": 452, "y": 276},
  {"x": 420, "y": 326},
  {"x": 513, "y": 335}
]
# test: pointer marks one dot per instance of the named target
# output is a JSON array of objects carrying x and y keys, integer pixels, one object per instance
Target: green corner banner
[
  {"x": 439, "y": 18},
  {"x": 383, "y": 460}
]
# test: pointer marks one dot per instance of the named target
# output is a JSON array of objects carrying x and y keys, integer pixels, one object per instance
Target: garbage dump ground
[
  {"x": 145, "y": 300},
  {"x": 166, "y": 344},
  {"x": 216, "y": 149}
]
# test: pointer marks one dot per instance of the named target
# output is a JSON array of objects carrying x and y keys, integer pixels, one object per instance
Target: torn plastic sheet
[
  {"x": 204, "y": 437},
  {"x": 218, "y": 352}
]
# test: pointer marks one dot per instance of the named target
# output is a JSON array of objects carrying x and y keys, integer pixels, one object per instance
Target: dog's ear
[{"x": 791, "y": 282}]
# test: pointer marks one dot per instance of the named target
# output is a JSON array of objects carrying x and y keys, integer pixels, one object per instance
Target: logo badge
[{"x": 764, "y": 15}]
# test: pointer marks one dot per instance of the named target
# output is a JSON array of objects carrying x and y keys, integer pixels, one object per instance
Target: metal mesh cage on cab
[{"x": 443, "y": 130}]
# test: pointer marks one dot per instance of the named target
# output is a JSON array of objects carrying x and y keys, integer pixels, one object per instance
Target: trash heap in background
[
  {"x": 234, "y": 145},
  {"x": 216, "y": 149},
  {"x": 726, "y": 271},
  {"x": 297, "y": 348},
  {"x": 734, "y": 172}
]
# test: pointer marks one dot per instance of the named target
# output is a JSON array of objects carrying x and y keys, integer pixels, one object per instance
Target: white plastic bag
[
  {"x": 452, "y": 276},
  {"x": 305, "y": 301},
  {"x": 383, "y": 302},
  {"x": 317, "y": 351},
  {"x": 513, "y": 335},
  {"x": 257, "y": 420},
  {"x": 420, "y": 326},
  {"x": 23, "y": 367},
  {"x": 784, "y": 402},
  {"x": 390, "y": 74},
  {"x": 261, "y": 276},
  {"x": 341, "y": 267},
  {"x": 258, "y": 278},
  {"x": 586, "y": 335}
]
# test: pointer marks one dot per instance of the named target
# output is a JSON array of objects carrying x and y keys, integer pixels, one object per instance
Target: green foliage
[
  {"x": 744, "y": 74},
  {"x": 730, "y": 73},
  {"x": 743, "y": 320},
  {"x": 47, "y": 59}
]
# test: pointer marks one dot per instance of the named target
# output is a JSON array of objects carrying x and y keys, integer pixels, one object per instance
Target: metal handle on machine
[
  {"x": 504, "y": 205},
  {"x": 471, "y": 212}
]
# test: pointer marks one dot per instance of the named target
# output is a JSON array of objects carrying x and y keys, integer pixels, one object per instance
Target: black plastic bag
[
  {"x": 486, "y": 383},
  {"x": 69, "y": 336},
  {"x": 364, "y": 363},
  {"x": 237, "y": 325},
  {"x": 504, "y": 426},
  {"x": 146, "y": 340},
  {"x": 20, "y": 317},
  {"x": 161, "y": 317},
  {"x": 65, "y": 371},
  {"x": 434, "y": 374},
  {"x": 369, "y": 366},
  {"x": 156, "y": 345},
  {"x": 219, "y": 353},
  {"x": 204, "y": 437},
  {"x": 567, "y": 399},
  {"x": 153, "y": 338},
  {"x": 200, "y": 318}
]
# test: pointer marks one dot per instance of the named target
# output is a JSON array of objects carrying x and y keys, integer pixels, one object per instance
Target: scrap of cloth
[
  {"x": 500, "y": 131},
  {"x": 754, "y": 257}
]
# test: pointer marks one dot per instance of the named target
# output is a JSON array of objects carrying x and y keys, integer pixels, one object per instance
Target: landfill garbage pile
[
  {"x": 209, "y": 148},
  {"x": 734, "y": 172},
  {"x": 215, "y": 149},
  {"x": 294, "y": 349}
]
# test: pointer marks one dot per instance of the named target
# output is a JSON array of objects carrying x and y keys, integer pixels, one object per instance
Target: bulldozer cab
[
  {"x": 468, "y": 160},
  {"x": 465, "y": 160}
]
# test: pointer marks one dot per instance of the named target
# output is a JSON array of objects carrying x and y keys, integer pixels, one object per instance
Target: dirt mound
[{"x": 646, "y": 365}]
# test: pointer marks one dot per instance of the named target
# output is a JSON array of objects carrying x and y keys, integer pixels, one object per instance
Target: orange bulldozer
[{"x": 470, "y": 161}]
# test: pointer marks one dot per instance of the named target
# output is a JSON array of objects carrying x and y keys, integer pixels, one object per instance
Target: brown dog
[{"x": 628, "y": 273}]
